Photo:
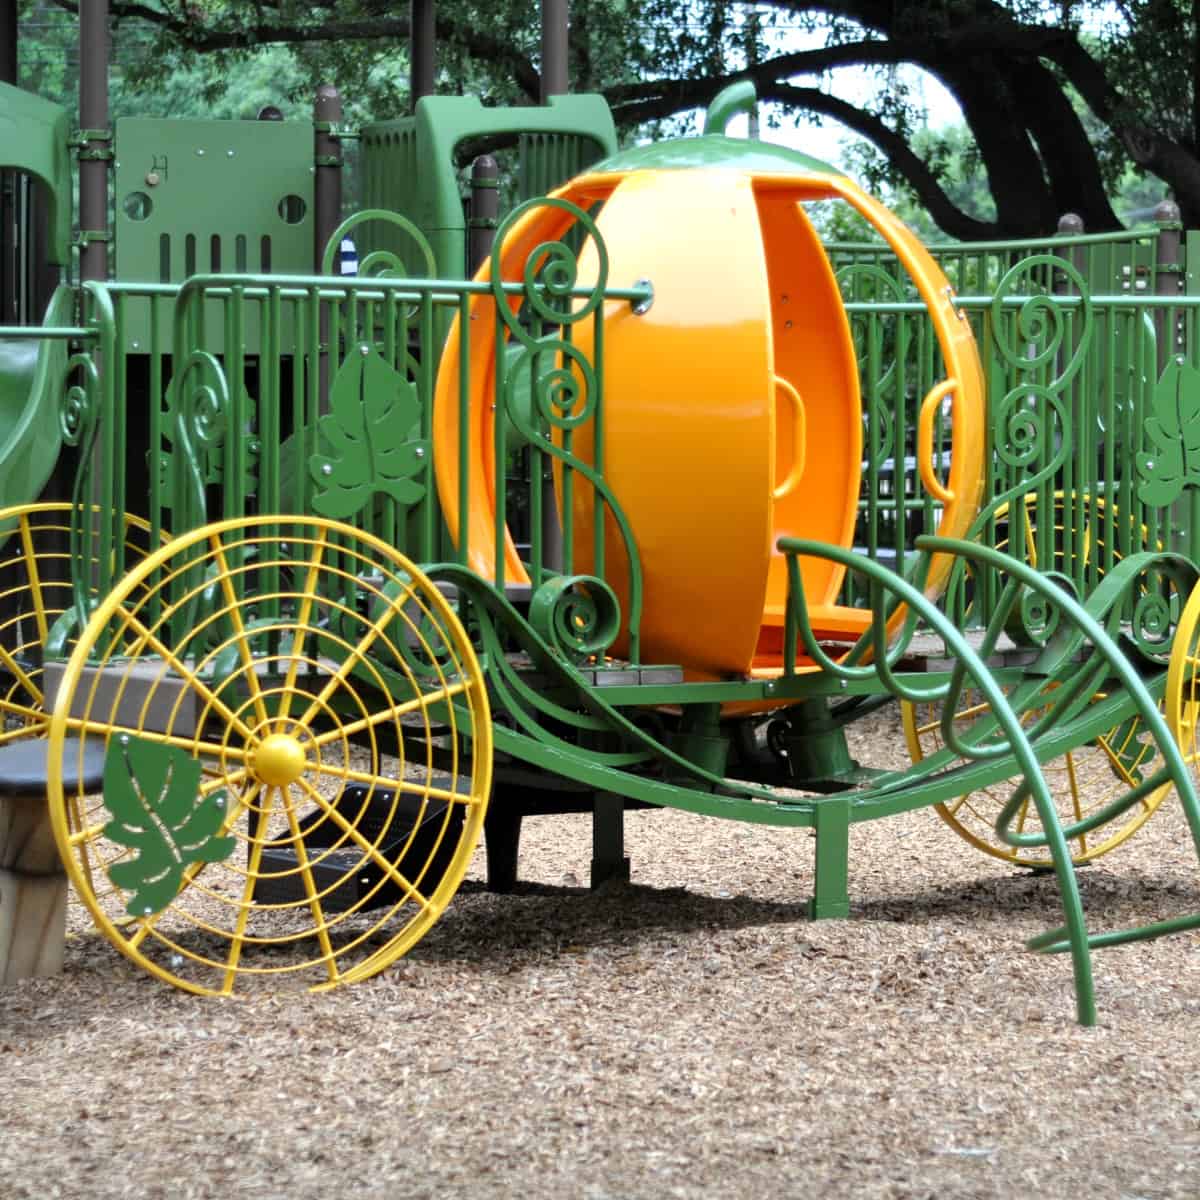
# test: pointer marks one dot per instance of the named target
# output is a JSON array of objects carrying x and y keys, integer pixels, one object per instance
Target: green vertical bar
[
  {"x": 428, "y": 361},
  {"x": 155, "y": 425},
  {"x": 108, "y": 465},
  {"x": 598, "y": 427},
  {"x": 303, "y": 437},
  {"x": 831, "y": 898},
  {"x": 464, "y": 425},
  {"x": 873, "y": 344},
  {"x": 236, "y": 428},
  {"x": 536, "y": 457},
  {"x": 270, "y": 432},
  {"x": 1111, "y": 436},
  {"x": 900, "y": 428},
  {"x": 112, "y": 517}
]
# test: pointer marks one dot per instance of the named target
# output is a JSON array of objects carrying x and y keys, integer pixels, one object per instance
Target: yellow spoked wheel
[
  {"x": 297, "y": 762},
  {"x": 35, "y": 598},
  {"x": 1183, "y": 684},
  {"x": 1081, "y": 781}
]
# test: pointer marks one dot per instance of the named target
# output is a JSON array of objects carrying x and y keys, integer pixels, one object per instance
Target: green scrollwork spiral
[
  {"x": 577, "y": 615},
  {"x": 1036, "y": 338},
  {"x": 379, "y": 262},
  {"x": 565, "y": 394},
  {"x": 80, "y": 407},
  {"x": 549, "y": 274},
  {"x": 1029, "y": 427}
]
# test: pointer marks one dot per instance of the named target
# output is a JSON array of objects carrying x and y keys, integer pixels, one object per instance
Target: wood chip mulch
[{"x": 689, "y": 1035}]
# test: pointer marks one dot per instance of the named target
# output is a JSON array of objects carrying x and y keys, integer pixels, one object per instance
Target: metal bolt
[
  {"x": 642, "y": 307},
  {"x": 199, "y": 153},
  {"x": 364, "y": 350},
  {"x": 153, "y": 179},
  {"x": 326, "y": 468},
  {"x": 135, "y": 343},
  {"x": 420, "y": 451},
  {"x": 1179, "y": 359},
  {"x": 124, "y": 739},
  {"x": 148, "y": 910},
  {"x": 228, "y": 153}
]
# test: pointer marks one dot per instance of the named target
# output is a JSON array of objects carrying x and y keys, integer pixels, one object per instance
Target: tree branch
[{"x": 943, "y": 210}]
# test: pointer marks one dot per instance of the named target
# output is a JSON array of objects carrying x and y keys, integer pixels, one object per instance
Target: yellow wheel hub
[{"x": 279, "y": 760}]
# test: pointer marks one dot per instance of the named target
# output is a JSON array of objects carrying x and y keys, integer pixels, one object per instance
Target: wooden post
[{"x": 33, "y": 891}]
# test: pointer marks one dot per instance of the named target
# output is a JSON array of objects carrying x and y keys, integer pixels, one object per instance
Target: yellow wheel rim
[
  {"x": 1183, "y": 689},
  {"x": 338, "y": 715},
  {"x": 35, "y": 591},
  {"x": 1080, "y": 781}
]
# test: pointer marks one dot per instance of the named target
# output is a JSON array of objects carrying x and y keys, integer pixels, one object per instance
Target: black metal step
[{"x": 353, "y": 877}]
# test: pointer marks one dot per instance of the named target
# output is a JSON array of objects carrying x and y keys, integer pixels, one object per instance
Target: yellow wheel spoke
[
  {"x": 196, "y": 748},
  {"x": 34, "y": 729},
  {"x": 35, "y": 582},
  {"x": 247, "y": 902},
  {"x": 87, "y": 835},
  {"x": 224, "y": 781},
  {"x": 303, "y": 616},
  {"x": 410, "y": 786},
  {"x": 233, "y": 612},
  {"x": 367, "y": 847},
  {"x": 357, "y": 654},
  {"x": 11, "y": 665},
  {"x": 310, "y": 891},
  {"x": 150, "y": 639},
  {"x": 1076, "y": 808},
  {"x": 395, "y": 712}
]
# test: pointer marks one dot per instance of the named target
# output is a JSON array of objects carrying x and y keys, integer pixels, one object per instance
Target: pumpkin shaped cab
[{"x": 731, "y": 412}]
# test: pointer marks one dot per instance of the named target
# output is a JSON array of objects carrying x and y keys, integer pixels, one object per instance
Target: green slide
[{"x": 31, "y": 393}]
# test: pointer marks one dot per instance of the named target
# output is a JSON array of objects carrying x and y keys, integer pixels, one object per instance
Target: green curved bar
[{"x": 738, "y": 97}]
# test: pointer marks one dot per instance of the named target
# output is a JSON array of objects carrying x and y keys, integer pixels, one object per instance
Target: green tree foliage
[{"x": 1060, "y": 98}]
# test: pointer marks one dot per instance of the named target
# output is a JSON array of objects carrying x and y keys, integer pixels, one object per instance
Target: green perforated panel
[{"x": 200, "y": 197}]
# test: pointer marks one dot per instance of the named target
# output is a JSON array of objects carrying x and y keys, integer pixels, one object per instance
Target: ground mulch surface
[{"x": 689, "y": 1035}]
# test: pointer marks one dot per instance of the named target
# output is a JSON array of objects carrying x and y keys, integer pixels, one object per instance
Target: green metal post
[
  {"x": 608, "y": 839},
  {"x": 831, "y": 896}
]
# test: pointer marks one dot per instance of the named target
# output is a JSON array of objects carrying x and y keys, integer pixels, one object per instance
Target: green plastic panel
[
  {"x": 31, "y": 384},
  {"x": 33, "y": 138},
  {"x": 408, "y": 164},
  {"x": 200, "y": 197}
]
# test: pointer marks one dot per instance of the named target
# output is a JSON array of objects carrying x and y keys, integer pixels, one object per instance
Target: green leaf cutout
[
  {"x": 1174, "y": 431},
  {"x": 153, "y": 792},
  {"x": 374, "y": 409}
]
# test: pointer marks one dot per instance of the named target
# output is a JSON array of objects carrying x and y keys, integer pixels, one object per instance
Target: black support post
[
  {"x": 95, "y": 153},
  {"x": 423, "y": 42},
  {"x": 554, "y": 49}
]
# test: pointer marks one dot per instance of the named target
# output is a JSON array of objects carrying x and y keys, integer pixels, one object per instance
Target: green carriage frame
[{"x": 312, "y": 345}]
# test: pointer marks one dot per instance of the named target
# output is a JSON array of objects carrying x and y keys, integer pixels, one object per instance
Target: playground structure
[{"x": 348, "y": 571}]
